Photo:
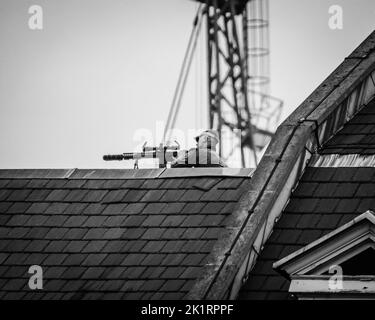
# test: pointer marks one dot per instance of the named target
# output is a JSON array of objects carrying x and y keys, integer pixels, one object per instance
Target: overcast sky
[{"x": 101, "y": 70}]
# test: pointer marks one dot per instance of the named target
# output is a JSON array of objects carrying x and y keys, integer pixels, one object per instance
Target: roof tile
[
  {"x": 308, "y": 236},
  {"x": 154, "y": 246},
  {"x": 19, "y": 207},
  {"x": 192, "y": 195},
  {"x": 57, "y": 195},
  {"x": 305, "y": 189},
  {"x": 329, "y": 221},
  {"x": 38, "y": 195},
  {"x": 134, "y": 221},
  {"x": 347, "y": 206},
  {"x": 4, "y": 194},
  {"x": 133, "y": 183},
  {"x": 154, "y": 208},
  {"x": 209, "y": 183},
  {"x": 173, "y": 208},
  {"x": 152, "y": 285},
  {"x": 173, "y": 259},
  {"x": 55, "y": 221},
  {"x": 95, "y": 221},
  {"x": 133, "y": 234},
  {"x": 75, "y": 246},
  {"x": 133, "y": 259},
  {"x": 75, "y": 233},
  {"x": 134, "y": 208},
  {"x": 175, "y": 183},
  {"x": 55, "y": 246},
  {"x": 94, "y": 246},
  {"x": 75, "y": 221},
  {"x": 134, "y": 195},
  {"x": 56, "y": 184},
  {"x": 36, "y": 220},
  {"x": 193, "y": 259},
  {"x": 112, "y": 184},
  {"x": 94, "y": 259},
  {"x": 172, "y": 285},
  {"x": 153, "y": 233},
  {"x": 114, "y": 233},
  {"x": 94, "y": 196},
  {"x": 212, "y": 220},
  {"x": 76, "y": 195},
  {"x": 93, "y": 208},
  {"x": 56, "y": 233},
  {"x": 299, "y": 205},
  {"x": 153, "y": 260},
  {"x": 172, "y": 195},
  {"x": 94, "y": 233},
  {"x": 366, "y": 190},
  {"x": 37, "y": 245},
  {"x": 173, "y": 246},
  {"x": 230, "y": 183},
  {"x": 115, "y": 221},
  {"x": 173, "y": 233},
  {"x": 153, "y": 195},
  {"x": 18, "y": 220},
  {"x": 17, "y": 183},
  {"x": 152, "y": 183},
  {"x": 75, "y": 184},
  {"x": 346, "y": 190},
  {"x": 193, "y": 208},
  {"x": 115, "y": 209},
  {"x": 152, "y": 272},
  {"x": 56, "y": 208},
  {"x": 173, "y": 220},
  {"x": 154, "y": 221},
  {"x": 326, "y": 205},
  {"x": 194, "y": 233},
  {"x": 115, "y": 196},
  {"x": 212, "y": 195},
  {"x": 193, "y": 221},
  {"x": 324, "y": 190}
]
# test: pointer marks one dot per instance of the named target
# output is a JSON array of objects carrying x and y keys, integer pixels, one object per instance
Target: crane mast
[
  {"x": 239, "y": 104},
  {"x": 229, "y": 111}
]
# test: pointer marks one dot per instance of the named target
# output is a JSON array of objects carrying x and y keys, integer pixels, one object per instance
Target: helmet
[{"x": 209, "y": 133}]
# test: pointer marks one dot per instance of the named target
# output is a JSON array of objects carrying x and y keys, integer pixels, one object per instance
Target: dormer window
[{"x": 339, "y": 265}]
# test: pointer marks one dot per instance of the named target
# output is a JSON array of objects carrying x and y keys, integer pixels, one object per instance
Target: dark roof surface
[
  {"x": 99, "y": 237},
  {"x": 325, "y": 199},
  {"x": 357, "y": 136}
]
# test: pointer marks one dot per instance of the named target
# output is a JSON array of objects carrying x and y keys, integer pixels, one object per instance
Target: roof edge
[{"x": 123, "y": 173}]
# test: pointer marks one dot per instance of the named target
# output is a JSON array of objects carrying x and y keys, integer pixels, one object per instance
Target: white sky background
[{"x": 100, "y": 70}]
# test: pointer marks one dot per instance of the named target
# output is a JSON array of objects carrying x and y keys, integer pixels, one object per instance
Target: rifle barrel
[{"x": 138, "y": 155}]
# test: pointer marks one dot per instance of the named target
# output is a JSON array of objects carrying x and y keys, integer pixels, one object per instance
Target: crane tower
[{"x": 239, "y": 104}]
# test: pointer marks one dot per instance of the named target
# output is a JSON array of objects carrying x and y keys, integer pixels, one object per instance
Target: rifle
[{"x": 165, "y": 154}]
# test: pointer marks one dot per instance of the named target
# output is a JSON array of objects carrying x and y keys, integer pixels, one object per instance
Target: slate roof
[
  {"x": 357, "y": 136},
  {"x": 105, "y": 235},
  {"x": 325, "y": 199}
]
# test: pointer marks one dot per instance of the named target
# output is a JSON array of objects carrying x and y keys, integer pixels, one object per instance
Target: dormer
[{"x": 339, "y": 265}]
